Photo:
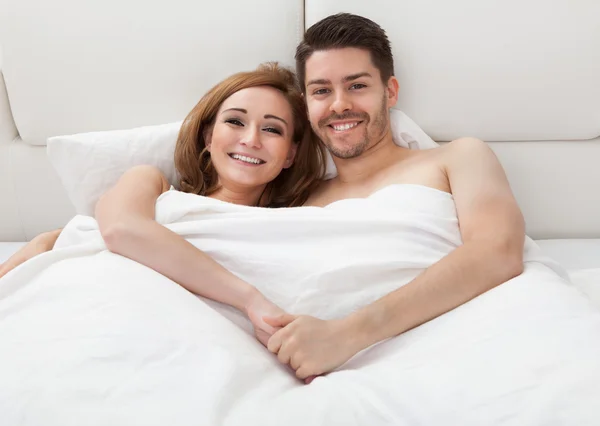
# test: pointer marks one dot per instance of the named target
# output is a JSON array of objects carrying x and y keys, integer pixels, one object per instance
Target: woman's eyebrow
[
  {"x": 276, "y": 118},
  {"x": 266, "y": 115},
  {"x": 237, "y": 109}
]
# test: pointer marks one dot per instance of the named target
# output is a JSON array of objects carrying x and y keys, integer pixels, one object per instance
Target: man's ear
[
  {"x": 291, "y": 156},
  {"x": 392, "y": 91}
]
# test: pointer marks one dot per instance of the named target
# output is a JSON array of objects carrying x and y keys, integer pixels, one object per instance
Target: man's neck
[{"x": 370, "y": 163}]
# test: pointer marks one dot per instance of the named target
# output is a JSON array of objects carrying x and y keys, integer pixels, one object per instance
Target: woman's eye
[
  {"x": 234, "y": 121},
  {"x": 273, "y": 130},
  {"x": 320, "y": 91}
]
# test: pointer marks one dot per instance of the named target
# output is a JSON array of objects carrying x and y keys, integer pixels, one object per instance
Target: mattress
[{"x": 574, "y": 254}]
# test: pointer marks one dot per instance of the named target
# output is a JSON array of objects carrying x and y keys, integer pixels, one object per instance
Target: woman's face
[{"x": 251, "y": 140}]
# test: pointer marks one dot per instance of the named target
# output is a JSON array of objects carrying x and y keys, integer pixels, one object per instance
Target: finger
[
  {"x": 285, "y": 354},
  {"x": 303, "y": 372},
  {"x": 309, "y": 380},
  {"x": 274, "y": 343},
  {"x": 279, "y": 321},
  {"x": 294, "y": 361},
  {"x": 263, "y": 337}
]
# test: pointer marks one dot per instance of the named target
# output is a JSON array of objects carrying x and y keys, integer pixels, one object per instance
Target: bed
[{"x": 522, "y": 76}]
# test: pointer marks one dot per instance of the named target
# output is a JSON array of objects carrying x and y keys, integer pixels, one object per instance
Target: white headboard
[
  {"x": 521, "y": 74},
  {"x": 75, "y": 66},
  {"x": 524, "y": 76},
  {"x": 502, "y": 71}
]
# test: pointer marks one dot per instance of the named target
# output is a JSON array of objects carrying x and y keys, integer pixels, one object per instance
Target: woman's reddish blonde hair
[{"x": 293, "y": 185}]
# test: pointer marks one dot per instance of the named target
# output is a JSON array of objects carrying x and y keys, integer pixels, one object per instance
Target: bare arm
[
  {"x": 493, "y": 232},
  {"x": 38, "y": 245},
  {"x": 125, "y": 216},
  {"x": 492, "y": 229}
]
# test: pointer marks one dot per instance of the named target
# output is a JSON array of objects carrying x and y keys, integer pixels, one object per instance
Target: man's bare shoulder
[
  {"x": 468, "y": 147},
  {"x": 467, "y": 155},
  {"x": 431, "y": 167},
  {"x": 422, "y": 167}
]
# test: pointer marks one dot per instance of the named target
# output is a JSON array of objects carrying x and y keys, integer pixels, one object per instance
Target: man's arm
[{"x": 493, "y": 233}]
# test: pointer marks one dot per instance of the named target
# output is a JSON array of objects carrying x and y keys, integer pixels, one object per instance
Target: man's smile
[{"x": 344, "y": 127}]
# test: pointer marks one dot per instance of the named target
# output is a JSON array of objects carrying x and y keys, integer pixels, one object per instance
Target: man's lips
[{"x": 344, "y": 126}]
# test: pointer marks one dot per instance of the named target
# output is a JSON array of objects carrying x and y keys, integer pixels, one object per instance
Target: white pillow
[{"x": 89, "y": 164}]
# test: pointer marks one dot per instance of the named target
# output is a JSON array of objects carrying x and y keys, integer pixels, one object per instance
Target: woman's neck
[{"x": 239, "y": 195}]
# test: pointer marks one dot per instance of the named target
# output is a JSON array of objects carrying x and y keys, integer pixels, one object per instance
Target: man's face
[{"x": 348, "y": 105}]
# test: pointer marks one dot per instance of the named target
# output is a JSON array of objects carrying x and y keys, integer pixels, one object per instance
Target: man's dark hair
[{"x": 346, "y": 30}]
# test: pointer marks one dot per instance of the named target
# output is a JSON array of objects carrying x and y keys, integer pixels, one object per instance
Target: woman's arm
[
  {"x": 126, "y": 217},
  {"x": 40, "y": 244}
]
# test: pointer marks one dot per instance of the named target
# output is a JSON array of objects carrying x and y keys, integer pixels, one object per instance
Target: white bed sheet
[
  {"x": 573, "y": 254},
  {"x": 581, "y": 257},
  {"x": 123, "y": 337}
]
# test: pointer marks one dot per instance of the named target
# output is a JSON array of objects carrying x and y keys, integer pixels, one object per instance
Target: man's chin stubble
[
  {"x": 347, "y": 154},
  {"x": 353, "y": 152}
]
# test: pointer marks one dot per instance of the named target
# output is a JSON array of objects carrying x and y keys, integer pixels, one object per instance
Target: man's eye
[
  {"x": 320, "y": 91},
  {"x": 234, "y": 121},
  {"x": 273, "y": 130},
  {"x": 358, "y": 86}
]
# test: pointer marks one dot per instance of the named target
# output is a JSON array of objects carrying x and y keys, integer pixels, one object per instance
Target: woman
[{"x": 247, "y": 141}]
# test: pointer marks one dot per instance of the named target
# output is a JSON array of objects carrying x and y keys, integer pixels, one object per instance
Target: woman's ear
[
  {"x": 291, "y": 156},
  {"x": 207, "y": 135}
]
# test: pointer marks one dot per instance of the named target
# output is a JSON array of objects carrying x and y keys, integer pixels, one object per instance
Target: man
[{"x": 345, "y": 66}]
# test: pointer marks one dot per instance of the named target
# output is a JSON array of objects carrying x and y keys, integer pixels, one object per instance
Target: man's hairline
[{"x": 304, "y": 85}]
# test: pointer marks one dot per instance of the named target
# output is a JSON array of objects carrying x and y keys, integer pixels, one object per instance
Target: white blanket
[{"x": 88, "y": 337}]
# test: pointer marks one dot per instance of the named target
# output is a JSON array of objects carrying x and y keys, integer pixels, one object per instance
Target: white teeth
[
  {"x": 346, "y": 126},
  {"x": 246, "y": 159}
]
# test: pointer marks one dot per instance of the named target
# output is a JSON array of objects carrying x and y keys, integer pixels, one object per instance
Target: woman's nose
[{"x": 251, "y": 137}]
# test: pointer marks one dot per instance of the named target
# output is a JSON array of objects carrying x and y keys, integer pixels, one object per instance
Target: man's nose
[
  {"x": 341, "y": 103},
  {"x": 251, "y": 137}
]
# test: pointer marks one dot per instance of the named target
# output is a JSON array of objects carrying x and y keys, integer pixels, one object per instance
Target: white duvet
[{"x": 88, "y": 337}]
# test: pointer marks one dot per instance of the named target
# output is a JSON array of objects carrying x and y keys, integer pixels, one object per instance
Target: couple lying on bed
[{"x": 252, "y": 140}]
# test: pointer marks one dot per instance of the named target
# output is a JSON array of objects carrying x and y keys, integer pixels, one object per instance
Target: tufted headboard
[{"x": 524, "y": 76}]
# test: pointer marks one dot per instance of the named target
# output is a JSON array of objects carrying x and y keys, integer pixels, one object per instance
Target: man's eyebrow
[
  {"x": 356, "y": 76},
  {"x": 276, "y": 118},
  {"x": 351, "y": 77},
  {"x": 320, "y": 81}
]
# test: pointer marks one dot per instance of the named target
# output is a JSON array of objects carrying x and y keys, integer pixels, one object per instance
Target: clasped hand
[{"x": 309, "y": 345}]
